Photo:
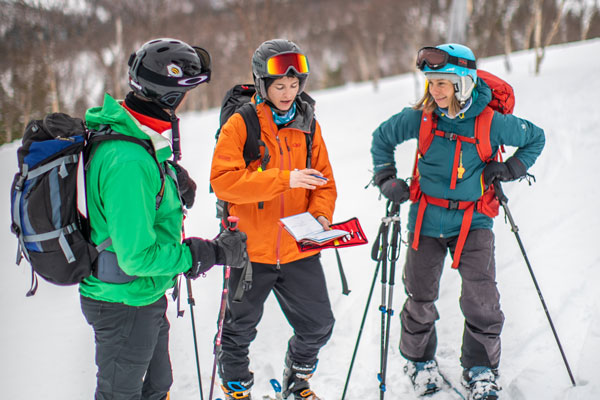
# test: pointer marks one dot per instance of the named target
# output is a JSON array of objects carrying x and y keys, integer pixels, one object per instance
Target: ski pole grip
[
  {"x": 232, "y": 222},
  {"x": 499, "y": 192}
]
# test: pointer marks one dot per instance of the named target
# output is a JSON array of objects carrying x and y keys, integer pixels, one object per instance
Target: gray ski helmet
[
  {"x": 269, "y": 49},
  {"x": 163, "y": 70}
]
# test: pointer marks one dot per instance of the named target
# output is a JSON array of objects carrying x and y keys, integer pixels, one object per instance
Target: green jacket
[{"x": 122, "y": 182}]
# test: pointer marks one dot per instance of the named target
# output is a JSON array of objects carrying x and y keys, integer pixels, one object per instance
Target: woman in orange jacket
[{"x": 260, "y": 197}]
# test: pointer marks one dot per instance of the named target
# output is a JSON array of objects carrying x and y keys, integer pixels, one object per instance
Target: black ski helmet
[
  {"x": 163, "y": 70},
  {"x": 267, "y": 50}
]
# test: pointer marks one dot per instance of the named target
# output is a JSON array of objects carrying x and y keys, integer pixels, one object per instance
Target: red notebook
[{"x": 355, "y": 237}]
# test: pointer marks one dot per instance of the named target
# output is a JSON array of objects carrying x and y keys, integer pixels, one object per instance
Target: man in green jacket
[{"x": 135, "y": 206}]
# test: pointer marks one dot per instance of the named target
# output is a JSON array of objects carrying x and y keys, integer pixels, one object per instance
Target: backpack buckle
[
  {"x": 450, "y": 135},
  {"x": 453, "y": 204},
  {"x": 19, "y": 183}
]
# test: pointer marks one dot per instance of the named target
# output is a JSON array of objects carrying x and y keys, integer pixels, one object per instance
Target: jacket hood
[
  {"x": 121, "y": 121},
  {"x": 305, "y": 113},
  {"x": 480, "y": 100}
]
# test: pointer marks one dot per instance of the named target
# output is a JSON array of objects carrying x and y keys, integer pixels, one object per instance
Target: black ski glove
[
  {"x": 391, "y": 187},
  {"x": 231, "y": 249},
  {"x": 204, "y": 256},
  {"x": 187, "y": 186},
  {"x": 509, "y": 170}
]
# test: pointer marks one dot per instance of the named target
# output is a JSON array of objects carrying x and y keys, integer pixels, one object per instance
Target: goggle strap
[
  {"x": 162, "y": 80},
  {"x": 461, "y": 62}
]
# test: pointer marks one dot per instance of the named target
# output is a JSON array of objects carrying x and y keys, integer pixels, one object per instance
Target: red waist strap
[{"x": 468, "y": 206}]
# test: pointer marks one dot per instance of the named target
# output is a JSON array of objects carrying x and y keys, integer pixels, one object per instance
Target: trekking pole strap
[
  {"x": 345, "y": 290},
  {"x": 244, "y": 283}
]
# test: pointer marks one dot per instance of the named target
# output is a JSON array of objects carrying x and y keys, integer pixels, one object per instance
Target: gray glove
[
  {"x": 231, "y": 249},
  {"x": 394, "y": 189},
  {"x": 510, "y": 170}
]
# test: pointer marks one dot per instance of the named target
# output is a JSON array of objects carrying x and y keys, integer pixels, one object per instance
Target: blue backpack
[{"x": 53, "y": 234}]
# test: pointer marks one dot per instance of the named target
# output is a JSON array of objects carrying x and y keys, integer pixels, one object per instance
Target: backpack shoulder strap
[
  {"x": 483, "y": 123},
  {"x": 106, "y": 133},
  {"x": 252, "y": 145},
  {"x": 309, "y": 140},
  {"x": 428, "y": 125}
]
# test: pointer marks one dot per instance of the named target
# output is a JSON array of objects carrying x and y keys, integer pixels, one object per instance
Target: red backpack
[{"x": 503, "y": 101}]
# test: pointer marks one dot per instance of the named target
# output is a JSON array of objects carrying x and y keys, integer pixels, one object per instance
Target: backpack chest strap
[
  {"x": 457, "y": 163},
  {"x": 467, "y": 206}
]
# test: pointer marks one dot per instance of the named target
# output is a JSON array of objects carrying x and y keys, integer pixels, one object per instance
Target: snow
[{"x": 47, "y": 349}]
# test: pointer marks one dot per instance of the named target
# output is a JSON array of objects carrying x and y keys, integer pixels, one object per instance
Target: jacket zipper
[{"x": 281, "y": 208}]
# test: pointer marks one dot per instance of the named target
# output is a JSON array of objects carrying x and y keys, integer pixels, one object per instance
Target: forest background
[{"x": 63, "y": 55}]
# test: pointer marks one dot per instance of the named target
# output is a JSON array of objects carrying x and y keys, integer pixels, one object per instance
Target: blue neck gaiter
[{"x": 277, "y": 118}]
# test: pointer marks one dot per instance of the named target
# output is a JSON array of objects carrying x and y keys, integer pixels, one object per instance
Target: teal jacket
[
  {"x": 436, "y": 166},
  {"x": 122, "y": 182}
]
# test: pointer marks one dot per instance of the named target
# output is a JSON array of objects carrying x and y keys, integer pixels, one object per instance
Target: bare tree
[
  {"x": 540, "y": 48},
  {"x": 508, "y": 14},
  {"x": 459, "y": 19},
  {"x": 588, "y": 10}
]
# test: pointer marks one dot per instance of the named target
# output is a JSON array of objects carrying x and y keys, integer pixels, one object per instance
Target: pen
[{"x": 319, "y": 176}]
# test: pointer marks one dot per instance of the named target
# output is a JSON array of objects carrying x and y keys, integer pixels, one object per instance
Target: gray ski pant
[
  {"x": 301, "y": 290},
  {"x": 479, "y": 299},
  {"x": 132, "y": 349}
]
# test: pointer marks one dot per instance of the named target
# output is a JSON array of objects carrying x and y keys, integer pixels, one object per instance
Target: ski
[{"x": 450, "y": 387}]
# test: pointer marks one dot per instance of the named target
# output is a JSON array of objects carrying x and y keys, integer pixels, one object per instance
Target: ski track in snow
[{"x": 46, "y": 336}]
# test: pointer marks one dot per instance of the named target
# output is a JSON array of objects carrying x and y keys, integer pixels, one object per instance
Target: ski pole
[
  {"x": 382, "y": 307},
  {"x": 503, "y": 201},
  {"x": 393, "y": 257},
  {"x": 232, "y": 222},
  {"x": 376, "y": 256},
  {"x": 192, "y": 303}
]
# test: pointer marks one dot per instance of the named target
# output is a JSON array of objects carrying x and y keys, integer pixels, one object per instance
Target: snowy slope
[{"x": 46, "y": 348}]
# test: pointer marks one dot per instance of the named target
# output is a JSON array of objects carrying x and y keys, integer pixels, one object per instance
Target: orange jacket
[{"x": 243, "y": 187}]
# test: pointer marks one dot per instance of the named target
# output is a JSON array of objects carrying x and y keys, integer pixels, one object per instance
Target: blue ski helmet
[{"x": 458, "y": 65}]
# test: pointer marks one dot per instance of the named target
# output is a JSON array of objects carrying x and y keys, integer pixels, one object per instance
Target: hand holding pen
[{"x": 307, "y": 178}]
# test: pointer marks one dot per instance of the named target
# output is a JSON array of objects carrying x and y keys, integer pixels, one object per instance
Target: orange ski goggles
[{"x": 280, "y": 64}]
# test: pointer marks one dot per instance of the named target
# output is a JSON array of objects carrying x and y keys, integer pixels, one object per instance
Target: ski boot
[
  {"x": 295, "y": 380},
  {"x": 481, "y": 383},
  {"x": 237, "y": 390},
  {"x": 424, "y": 376}
]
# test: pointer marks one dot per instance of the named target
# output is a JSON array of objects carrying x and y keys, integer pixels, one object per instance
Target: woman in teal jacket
[
  {"x": 135, "y": 206},
  {"x": 445, "y": 215}
]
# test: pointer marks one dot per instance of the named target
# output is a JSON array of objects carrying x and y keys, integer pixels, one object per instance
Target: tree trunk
[
  {"x": 53, "y": 89},
  {"x": 531, "y": 25},
  {"x": 586, "y": 19},
  {"x": 541, "y": 51},
  {"x": 537, "y": 35},
  {"x": 118, "y": 67},
  {"x": 459, "y": 18},
  {"x": 378, "y": 56}
]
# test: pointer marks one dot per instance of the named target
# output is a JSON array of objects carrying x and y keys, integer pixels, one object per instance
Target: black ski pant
[
  {"x": 301, "y": 291},
  {"x": 132, "y": 349},
  {"x": 479, "y": 299}
]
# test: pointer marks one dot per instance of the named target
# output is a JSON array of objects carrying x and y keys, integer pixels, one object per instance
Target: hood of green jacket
[{"x": 114, "y": 114}]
